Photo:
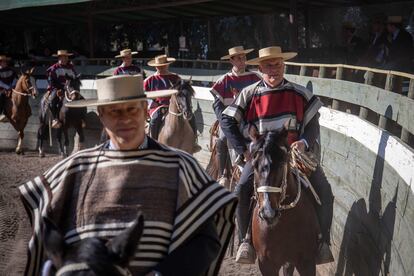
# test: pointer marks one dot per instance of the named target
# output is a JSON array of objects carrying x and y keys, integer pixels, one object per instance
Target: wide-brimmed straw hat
[
  {"x": 125, "y": 52},
  {"x": 4, "y": 57},
  {"x": 120, "y": 89},
  {"x": 161, "y": 61},
  {"x": 238, "y": 50},
  {"x": 394, "y": 19},
  {"x": 62, "y": 53},
  {"x": 269, "y": 53}
]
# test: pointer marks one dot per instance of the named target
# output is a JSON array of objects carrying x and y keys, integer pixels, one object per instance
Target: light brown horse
[
  {"x": 176, "y": 130},
  {"x": 285, "y": 228},
  {"x": 17, "y": 108}
]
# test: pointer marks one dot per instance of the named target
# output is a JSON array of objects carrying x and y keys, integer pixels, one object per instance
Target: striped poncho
[{"x": 97, "y": 193}]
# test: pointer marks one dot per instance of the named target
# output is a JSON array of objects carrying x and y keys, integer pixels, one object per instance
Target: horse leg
[
  {"x": 59, "y": 138},
  {"x": 267, "y": 267},
  {"x": 66, "y": 146},
  {"x": 40, "y": 138},
  {"x": 307, "y": 268},
  {"x": 19, "y": 142},
  {"x": 288, "y": 269},
  {"x": 81, "y": 135}
]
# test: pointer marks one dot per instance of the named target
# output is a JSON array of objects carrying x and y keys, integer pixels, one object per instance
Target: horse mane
[
  {"x": 273, "y": 144},
  {"x": 184, "y": 87}
]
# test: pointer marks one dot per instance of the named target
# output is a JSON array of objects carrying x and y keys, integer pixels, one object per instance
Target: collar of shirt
[
  {"x": 143, "y": 146},
  {"x": 268, "y": 86},
  {"x": 237, "y": 74}
]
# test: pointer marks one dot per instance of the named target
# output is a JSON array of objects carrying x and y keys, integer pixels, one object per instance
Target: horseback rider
[
  {"x": 98, "y": 191},
  {"x": 127, "y": 68},
  {"x": 56, "y": 75},
  {"x": 162, "y": 79},
  {"x": 224, "y": 90},
  {"x": 268, "y": 104},
  {"x": 8, "y": 79}
]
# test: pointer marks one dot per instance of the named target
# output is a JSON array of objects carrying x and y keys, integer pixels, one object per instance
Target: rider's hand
[
  {"x": 247, "y": 155},
  {"x": 299, "y": 145}
]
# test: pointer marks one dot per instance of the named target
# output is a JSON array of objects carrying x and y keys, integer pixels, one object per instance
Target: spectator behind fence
[{"x": 400, "y": 47}]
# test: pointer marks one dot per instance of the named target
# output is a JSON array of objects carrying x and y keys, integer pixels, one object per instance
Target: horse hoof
[
  {"x": 19, "y": 152},
  {"x": 41, "y": 155}
]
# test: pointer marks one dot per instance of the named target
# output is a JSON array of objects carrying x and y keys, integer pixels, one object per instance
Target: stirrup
[
  {"x": 324, "y": 254},
  {"x": 246, "y": 253}
]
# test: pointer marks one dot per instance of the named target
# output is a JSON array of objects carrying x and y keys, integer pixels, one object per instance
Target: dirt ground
[{"x": 14, "y": 225}]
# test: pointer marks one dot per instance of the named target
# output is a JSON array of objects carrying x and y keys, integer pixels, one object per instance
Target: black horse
[{"x": 69, "y": 117}]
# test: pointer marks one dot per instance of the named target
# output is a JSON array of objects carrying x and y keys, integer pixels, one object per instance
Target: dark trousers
[
  {"x": 222, "y": 152},
  {"x": 156, "y": 122},
  {"x": 244, "y": 191},
  {"x": 2, "y": 102},
  {"x": 55, "y": 104}
]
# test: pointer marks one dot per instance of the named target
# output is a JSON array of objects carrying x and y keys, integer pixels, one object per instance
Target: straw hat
[
  {"x": 238, "y": 50},
  {"x": 160, "y": 61},
  {"x": 120, "y": 89},
  {"x": 396, "y": 19},
  {"x": 125, "y": 52},
  {"x": 62, "y": 53},
  {"x": 4, "y": 57},
  {"x": 269, "y": 53}
]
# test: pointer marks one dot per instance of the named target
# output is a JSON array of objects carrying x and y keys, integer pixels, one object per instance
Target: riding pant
[
  {"x": 2, "y": 101},
  {"x": 222, "y": 152},
  {"x": 244, "y": 191}
]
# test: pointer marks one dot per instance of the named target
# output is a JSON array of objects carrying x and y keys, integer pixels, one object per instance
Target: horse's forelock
[{"x": 272, "y": 145}]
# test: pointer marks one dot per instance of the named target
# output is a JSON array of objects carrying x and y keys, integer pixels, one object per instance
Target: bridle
[
  {"x": 295, "y": 161},
  {"x": 83, "y": 266},
  {"x": 32, "y": 89},
  {"x": 180, "y": 113},
  {"x": 74, "y": 91},
  {"x": 283, "y": 187}
]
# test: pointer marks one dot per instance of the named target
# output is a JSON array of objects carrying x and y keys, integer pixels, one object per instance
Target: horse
[
  {"x": 284, "y": 225},
  {"x": 232, "y": 173},
  {"x": 17, "y": 108},
  {"x": 176, "y": 130},
  {"x": 90, "y": 256},
  {"x": 69, "y": 117}
]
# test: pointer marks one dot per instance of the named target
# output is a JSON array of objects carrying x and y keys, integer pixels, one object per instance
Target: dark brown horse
[
  {"x": 17, "y": 108},
  {"x": 176, "y": 131},
  {"x": 285, "y": 228},
  {"x": 90, "y": 256},
  {"x": 70, "y": 117}
]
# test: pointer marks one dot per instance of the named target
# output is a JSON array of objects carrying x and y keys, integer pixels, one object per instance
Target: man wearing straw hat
[
  {"x": 98, "y": 191},
  {"x": 56, "y": 76},
  {"x": 268, "y": 105},
  {"x": 8, "y": 79},
  {"x": 224, "y": 90},
  {"x": 162, "y": 79},
  {"x": 127, "y": 68}
]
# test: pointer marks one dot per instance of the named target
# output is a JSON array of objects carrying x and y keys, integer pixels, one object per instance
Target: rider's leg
[
  {"x": 244, "y": 191},
  {"x": 222, "y": 153},
  {"x": 54, "y": 104},
  {"x": 2, "y": 101},
  {"x": 155, "y": 124}
]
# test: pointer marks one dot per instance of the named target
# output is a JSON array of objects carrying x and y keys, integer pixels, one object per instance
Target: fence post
[
  {"x": 302, "y": 71},
  {"x": 363, "y": 112},
  {"x": 405, "y": 134},
  {"x": 389, "y": 86},
  {"x": 339, "y": 72}
]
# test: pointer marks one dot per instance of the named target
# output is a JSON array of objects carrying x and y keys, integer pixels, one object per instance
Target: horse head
[
  {"x": 91, "y": 256},
  {"x": 183, "y": 98},
  {"x": 270, "y": 154},
  {"x": 72, "y": 87},
  {"x": 27, "y": 84}
]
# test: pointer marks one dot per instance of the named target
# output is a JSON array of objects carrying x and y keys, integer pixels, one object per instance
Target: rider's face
[
  {"x": 63, "y": 59},
  {"x": 239, "y": 62},
  {"x": 127, "y": 60},
  {"x": 124, "y": 123},
  {"x": 273, "y": 70}
]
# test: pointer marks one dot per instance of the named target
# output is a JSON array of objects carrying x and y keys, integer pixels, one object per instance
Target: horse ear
[
  {"x": 29, "y": 72},
  {"x": 190, "y": 81},
  {"x": 125, "y": 244},
  {"x": 253, "y": 132},
  {"x": 78, "y": 76},
  {"x": 53, "y": 241}
]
